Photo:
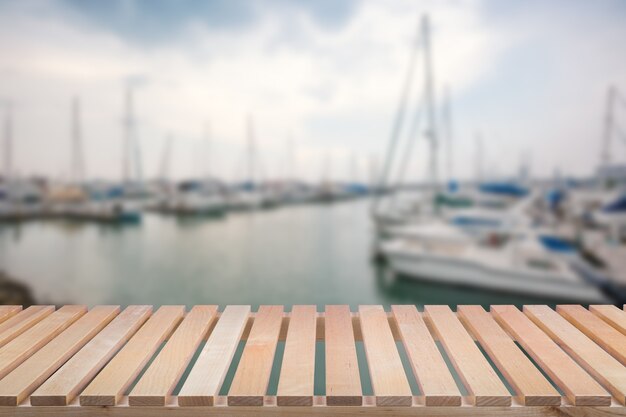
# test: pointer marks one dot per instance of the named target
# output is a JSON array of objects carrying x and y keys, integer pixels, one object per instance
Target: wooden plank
[
  {"x": 531, "y": 387},
  {"x": 602, "y": 366},
  {"x": 206, "y": 376},
  {"x": 612, "y": 315},
  {"x": 8, "y": 311},
  {"x": 23, "y": 321},
  {"x": 19, "y": 349},
  {"x": 389, "y": 382},
  {"x": 480, "y": 379},
  {"x": 249, "y": 385},
  {"x": 343, "y": 381},
  {"x": 297, "y": 374},
  {"x": 112, "y": 381},
  {"x": 596, "y": 329},
  {"x": 23, "y": 380},
  {"x": 578, "y": 386},
  {"x": 157, "y": 384},
  {"x": 317, "y": 411},
  {"x": 431, "y": 372},
  {"x": 75, "y": 374}
]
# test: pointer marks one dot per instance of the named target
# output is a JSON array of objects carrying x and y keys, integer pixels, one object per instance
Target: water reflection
[{"x": 294, "y": 255}]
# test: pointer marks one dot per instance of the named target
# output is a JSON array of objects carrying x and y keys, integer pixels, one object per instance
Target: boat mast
[
  {"x": 447, "y": 119},
  {"x": 429, "y": 91},
  {"x": 8, "y": 141},
  {"x": 479, "y": 158},
  {"x": 207, "y": 139},
  {"x": 77, "y": 168},
  {"x": 127, "y": 137},
  {"x": 165, "y": 158},
  {"x": 251, "y": 151},
  {"x": 291, "y": 159},
  {"x": 608, "y": 125},
  {"x": 398, "y": 122}
]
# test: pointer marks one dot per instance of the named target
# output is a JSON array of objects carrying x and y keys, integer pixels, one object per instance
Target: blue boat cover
[
  {"x": 503, "y": 188},
  {"x": 616, "y": 206},
  {"x": 556, "y": 244}
]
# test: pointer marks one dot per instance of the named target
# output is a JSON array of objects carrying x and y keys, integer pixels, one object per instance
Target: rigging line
[
  {"x": 399, "y": 119},
  {"x": 620, "y": 133},
  {"x": 413, "y": 134},
  {"x": 620, "y": 97}
]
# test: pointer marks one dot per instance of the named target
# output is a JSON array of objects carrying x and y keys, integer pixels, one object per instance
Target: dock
[{"x": 211, "y": 361}]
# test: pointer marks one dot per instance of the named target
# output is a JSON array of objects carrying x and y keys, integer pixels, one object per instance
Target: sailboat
[
  {"x": 491, "y": 246},
  {"x": 193, "y": 197},
  {"x": 20, "y": 199},
  {"x": 118, "y": 203},
  {"x": 251, "y": 194}
]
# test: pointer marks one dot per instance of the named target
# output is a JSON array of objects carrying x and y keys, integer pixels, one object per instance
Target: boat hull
[{"x": 465, "y": 273}]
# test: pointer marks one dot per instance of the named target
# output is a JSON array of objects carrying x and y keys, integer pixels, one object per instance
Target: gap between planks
[{"x": 356, "y": 326}]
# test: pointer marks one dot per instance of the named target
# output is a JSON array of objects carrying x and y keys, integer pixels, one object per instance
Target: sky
[{"x": 320, "y": 80}]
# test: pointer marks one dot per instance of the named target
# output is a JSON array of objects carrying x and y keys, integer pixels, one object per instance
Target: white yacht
[{"x": 515, "y": 265}]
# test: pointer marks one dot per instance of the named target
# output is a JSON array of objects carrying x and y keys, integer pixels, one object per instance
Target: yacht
[{"x": 513, "y": 264}]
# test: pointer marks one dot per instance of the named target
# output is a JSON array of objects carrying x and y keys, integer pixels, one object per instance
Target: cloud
[{"x": 329, "y": 72}]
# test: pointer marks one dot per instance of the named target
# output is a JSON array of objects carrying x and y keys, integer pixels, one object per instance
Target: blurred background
[{"x": 318, "y": 152}]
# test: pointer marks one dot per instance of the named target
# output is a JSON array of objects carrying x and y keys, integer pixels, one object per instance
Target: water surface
[{"x": 316, "y": 254}]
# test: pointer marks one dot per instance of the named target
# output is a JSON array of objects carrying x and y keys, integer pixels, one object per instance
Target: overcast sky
[{"x": 531, "y": 76}]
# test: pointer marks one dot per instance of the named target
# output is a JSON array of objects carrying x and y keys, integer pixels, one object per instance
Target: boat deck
[{"x": 205, "y": 362}]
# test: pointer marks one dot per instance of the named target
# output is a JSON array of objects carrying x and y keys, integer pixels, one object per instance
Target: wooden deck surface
[{"x": 298, "y": 361}]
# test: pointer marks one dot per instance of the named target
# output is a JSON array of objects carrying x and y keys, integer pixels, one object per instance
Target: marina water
[{"x": 310, "y": 254}]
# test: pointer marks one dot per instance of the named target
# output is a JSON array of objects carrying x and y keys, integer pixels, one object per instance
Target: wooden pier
[{"x": 207, "y": 361}]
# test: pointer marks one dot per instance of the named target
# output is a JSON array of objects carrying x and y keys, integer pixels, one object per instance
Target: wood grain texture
[
  {"x": 22, "y": 381},
  {"x": 578, "y": 386},
  {"x": 531, "y": 387},
  {"x": 480, "y": 379},
  {"x": 297, "y": 373},
  {"x": 343, "y": 381},
  {"x": 602, "y": 366},
  {"x": 24, "y": 320},
  {"x": 8, "y": 311},
  {"x": 23, "y": 346},
  {"x": 252, "y": 377},
  {"x": 121, "y": 371},
  {"x": 605, "y": 335},
  {"x": 63, "y": 352},
  {"x": 431, "y": 372},
  {"x": 158, "y": 382},
  {"x": 76, "y": 373},
  {"x": 207, "y": 374},
  {"x": 389, "y": 382},
  {"x": 334, "y": 411},
  {"x": 612, "y": 315}
]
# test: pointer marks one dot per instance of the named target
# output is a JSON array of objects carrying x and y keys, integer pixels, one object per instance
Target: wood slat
[
  {"x": 602, "y": 366},
  {"x": 158, "y": 382},
  {"x": 343, "y": 381},
  {"x": 480, "y": 379},
  {"x": 19, "y": 349},
  {"x": 297, "y": 374},
  {"x": 578, "y": 386},
  {"x": 530, "y": 386},
  {"x": 389, "y": 382},
  {"x": 8, "y": 311},
  {"x": 23, "y": 380},
  {"x": 251, "y": 379},
  {"x": 605, "y": 335},
  {"x": 612, "y": 315},
  {"x": 75, "y": 374},
  {"x": 207, "y": 374},
  {"x": 431, "y": 372},
  {"x": 22, "y": 321},
  {"x": 112, "y": 381}
]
